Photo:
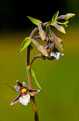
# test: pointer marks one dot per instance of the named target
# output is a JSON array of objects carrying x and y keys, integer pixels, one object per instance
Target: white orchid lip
[
  {"x": 25, "y": 99},
  {"x": 56, "y": 55}
]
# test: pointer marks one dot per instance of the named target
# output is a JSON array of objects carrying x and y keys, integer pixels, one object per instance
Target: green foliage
[
  {"x": 53, "y": 21},
  {"x": 33, "y": 76},
  {"x": 33, "y": 20},
  {"x": 24, "y": 44},
  {"x": 55, "y": 16}
]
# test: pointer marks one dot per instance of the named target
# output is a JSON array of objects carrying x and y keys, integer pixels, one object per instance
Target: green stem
[{"x": 30, "y": 85}]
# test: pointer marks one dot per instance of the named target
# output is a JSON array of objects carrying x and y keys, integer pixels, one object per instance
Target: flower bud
[{"x": 69, "y": 15}]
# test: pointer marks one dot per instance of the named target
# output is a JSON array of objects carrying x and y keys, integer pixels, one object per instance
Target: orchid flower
[{"x": 25, "y": 93}]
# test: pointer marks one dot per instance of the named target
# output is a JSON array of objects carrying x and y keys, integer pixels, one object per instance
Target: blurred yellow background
[{"x": 59, "y": 97}]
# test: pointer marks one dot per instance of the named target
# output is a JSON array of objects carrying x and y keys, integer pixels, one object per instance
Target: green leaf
[
  {"x": 53, "y": 21},
  {"x": 55, "y": 16},
  {"x": 24, "y": 44},
  {"x": 33, "y": 20},
  {"x": 33, "y": 76}
]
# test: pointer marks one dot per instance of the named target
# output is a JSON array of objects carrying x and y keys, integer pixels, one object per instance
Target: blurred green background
[{"x": 59, "y": 97}]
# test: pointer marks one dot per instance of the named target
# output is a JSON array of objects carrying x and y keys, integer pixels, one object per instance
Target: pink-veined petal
[
  {"x": 32, "y": 92},
  {"x": 15, "y": 100}
]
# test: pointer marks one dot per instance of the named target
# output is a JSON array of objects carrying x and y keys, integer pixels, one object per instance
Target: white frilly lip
[
  {"x": 25, "y": 99},
  {"x": 56, "y": 55}
]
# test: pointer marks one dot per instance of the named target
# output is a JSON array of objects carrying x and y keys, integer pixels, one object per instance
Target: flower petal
[
  {"x": 55, "y": 55},
  {"x": 23, "y": 83},
  {"x": 25, "y": 99},
  {"x": 60, "y": 28},
  {"x": 19, "y": 83},
  {"x": 32, "y": 92},
  {"x": 17, "y": 88},
  {"x": 15, "y": 100},
  {"x": 56, "y": 40},
  {"x": 41, "y": 32},
  {"x": 69, "y": 15},
  {"x": 42, "y": 35},
  {"x": 41, "y": 48},
  {"x": 66, "y": 16}
]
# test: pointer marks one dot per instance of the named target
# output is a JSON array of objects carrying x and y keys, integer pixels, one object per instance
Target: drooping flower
[
  {"x": 25, "y": 93},
  {"x": 53, "y": 52}
]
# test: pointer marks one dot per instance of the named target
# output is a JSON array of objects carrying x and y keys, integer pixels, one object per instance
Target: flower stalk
[{"x": 31, "y": 85}]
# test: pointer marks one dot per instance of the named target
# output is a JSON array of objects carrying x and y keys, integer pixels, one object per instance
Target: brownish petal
[
  {"x": 60, "y": 28},
  {"x": 41, "y": 48},
  {"x": 19, "y": 83},
  {"x": 42, "y": 35},
  {"x": 32, "y": 92},
  {"x": 41, "y": 32},
  {"x": 15, "y": 100},
  {"x": 56, "y": 40}
]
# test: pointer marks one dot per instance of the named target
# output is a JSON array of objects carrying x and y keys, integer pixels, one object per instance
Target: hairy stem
[{"x": 30, "y": 85}]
